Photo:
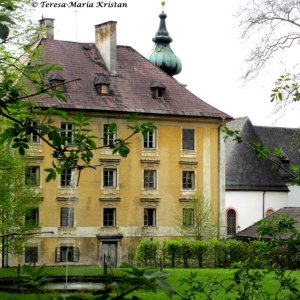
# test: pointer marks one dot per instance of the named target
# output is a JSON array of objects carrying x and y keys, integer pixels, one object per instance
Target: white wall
[
  {"x": 251, "y": 206},
  {"x": 294, "y": 196}
]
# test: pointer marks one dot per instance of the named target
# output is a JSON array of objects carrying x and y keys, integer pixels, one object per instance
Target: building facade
[{"x": 108, "y": 210}]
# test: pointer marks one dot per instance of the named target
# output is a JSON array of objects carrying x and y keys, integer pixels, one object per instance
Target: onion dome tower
[{"x": 162, "y": 55}]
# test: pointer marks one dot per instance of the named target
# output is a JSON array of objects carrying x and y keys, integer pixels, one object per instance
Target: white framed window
[
  {"x": 109, "y": 178},
  {"x": 67, "y": 217},
  {"x": 109, "y": 135},
  {"x": 150, "y": 217},
  {"x": 67, "y": 178},
  {"x": 32, "y": 216},
  {"x": 32, "y": 176},
  {"x": 188, "y": 217},
  {"x": 150, "y": 140},
  {"x": 188, "y": 180},
  {"x": 150, "y": 179},
  {"x": 67, "y": 132},
  {"x": 109, "y": 217},
  {"x": 34, "y": 137},
  {"x": 188, "y": 139}
]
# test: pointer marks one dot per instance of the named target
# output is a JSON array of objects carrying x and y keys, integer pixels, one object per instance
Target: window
[
  {"x": 188, "y": 180},
  {"x": 31, "y": 255},
  {"x": 188, "y": 217},
  {"x": 32, "y": 217},
  {"x": 67, "y": 133},
  {"x": 158, "y": 93},
  {"x": 67, "y": 254},
  {"x": 34, "y": 138},
  {"x": 150, "y": 217},
  {"x": 109, "y": 178},
  {"x": 103, "y": 89},
  {"x": 66, "y": 178},
  {"x": 231, "y": 222},
  {"x": 109, "y": 217},
  {"x": 32, "y": 176},
  {"x": 158, "y": 90},
  {"x": 150, "y": 139},
  {"x": 56, "y": 82},
  {"x": 149, "y": 179},
  {"x": 101, "y": 83},
  {"x": 188, "y": 139},
  {"x": 66, "y": 217},
  {"x": 109, "y": 135}
]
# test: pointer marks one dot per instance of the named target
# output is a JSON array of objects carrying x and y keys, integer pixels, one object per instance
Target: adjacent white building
[{"x": 254, "y": 189}]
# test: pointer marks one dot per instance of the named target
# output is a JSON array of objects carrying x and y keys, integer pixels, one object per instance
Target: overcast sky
[{"x": 205, "y": 37}]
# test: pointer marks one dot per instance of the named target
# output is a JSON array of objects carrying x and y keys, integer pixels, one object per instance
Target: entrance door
[{"x": 109, "y": 253}]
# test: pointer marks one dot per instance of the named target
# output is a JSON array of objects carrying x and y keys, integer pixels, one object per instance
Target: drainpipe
[
  {"x": 221, "y": 183},
  {"x": 263, "y": 207}
]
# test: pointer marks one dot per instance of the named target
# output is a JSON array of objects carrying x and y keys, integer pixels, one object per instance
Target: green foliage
[
  {"x": 201, "y": 227},
  {"x": 34, "y": 278},
  {"x": 15, "y": 200},
  {"x": 172, "y": 250},
  {"x": 146, "y": 252}
]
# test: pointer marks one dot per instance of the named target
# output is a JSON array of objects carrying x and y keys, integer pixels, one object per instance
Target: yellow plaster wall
[{"x": 88, "y": 207}]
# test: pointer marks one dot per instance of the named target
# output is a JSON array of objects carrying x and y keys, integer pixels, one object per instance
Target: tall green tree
[{"x": 17, "y": 204}]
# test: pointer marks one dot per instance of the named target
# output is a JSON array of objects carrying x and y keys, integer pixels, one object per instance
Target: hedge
[{"x": 199, "y": 254}]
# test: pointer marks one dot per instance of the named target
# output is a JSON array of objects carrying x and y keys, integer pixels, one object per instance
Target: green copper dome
[{"x": 162, "y": 55}]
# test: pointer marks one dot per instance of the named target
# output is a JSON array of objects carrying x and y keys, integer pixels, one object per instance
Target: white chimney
[
  {"x": 106, "y": 43},
  {"x": 48, "y": 23}
]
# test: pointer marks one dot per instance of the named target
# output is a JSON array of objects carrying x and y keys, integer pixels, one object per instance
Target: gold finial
[{"x": 163, "y": 5}]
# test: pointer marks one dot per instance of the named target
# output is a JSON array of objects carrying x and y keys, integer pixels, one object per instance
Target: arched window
[{"x": 231, "y": 222}]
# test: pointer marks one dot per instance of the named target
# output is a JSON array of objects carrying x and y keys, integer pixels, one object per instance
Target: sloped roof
[
  {"x": 288, "y": 139},
  {"x": 244, "y": 170},
  {"x": 129, "y": 90},
  {"x": 251, "y": 231}
]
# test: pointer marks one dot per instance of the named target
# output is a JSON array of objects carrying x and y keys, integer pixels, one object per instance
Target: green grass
[{"x": 174, "y": 277}]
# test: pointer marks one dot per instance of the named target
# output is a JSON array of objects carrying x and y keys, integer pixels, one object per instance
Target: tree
[
  {"x": 18, "y": 204},
  {"x": 196, "y": 219},
  {"x": 22, "y": 78},
  {"x": 275, "y": 25}
]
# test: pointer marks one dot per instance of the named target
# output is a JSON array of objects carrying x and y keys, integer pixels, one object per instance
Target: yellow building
[{"x": 124, "y": 199}]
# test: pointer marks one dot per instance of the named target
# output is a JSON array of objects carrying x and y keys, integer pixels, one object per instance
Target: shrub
[
  {"x": 146, "y": 252},
  {"x": 172, "y": 249}
]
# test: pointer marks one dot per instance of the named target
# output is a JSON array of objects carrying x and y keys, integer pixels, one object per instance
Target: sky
[{"x": 206, "y": 38}]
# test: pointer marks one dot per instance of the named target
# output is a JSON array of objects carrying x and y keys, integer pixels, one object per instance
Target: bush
[
  {"x": 200, "y": 252},
  {"x": 146, "y": 253},
  {"x": 172, "y": 250},
  {"x": 186, "y": 250},
  {"x": 235, "y": 251}
]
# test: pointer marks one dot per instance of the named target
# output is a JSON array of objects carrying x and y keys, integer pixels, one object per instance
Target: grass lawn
[{"x": 175, "y": 275}]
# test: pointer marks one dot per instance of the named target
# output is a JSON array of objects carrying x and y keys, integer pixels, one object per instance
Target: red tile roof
[{"x": 129, "y": 90}]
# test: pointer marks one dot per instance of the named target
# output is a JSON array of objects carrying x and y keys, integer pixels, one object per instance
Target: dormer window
[
  {"x": 158, "y": 90},
  {"x": 56, "y": 81},
  {"x": 101, "y": 84}
]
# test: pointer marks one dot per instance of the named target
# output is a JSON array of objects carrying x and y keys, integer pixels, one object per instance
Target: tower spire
[{"x": 162, "y": 55}]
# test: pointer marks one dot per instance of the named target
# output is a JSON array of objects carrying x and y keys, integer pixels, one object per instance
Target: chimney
[
  {"x": 106, "y": 43},
  {"x": 48, "y": 23}
]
